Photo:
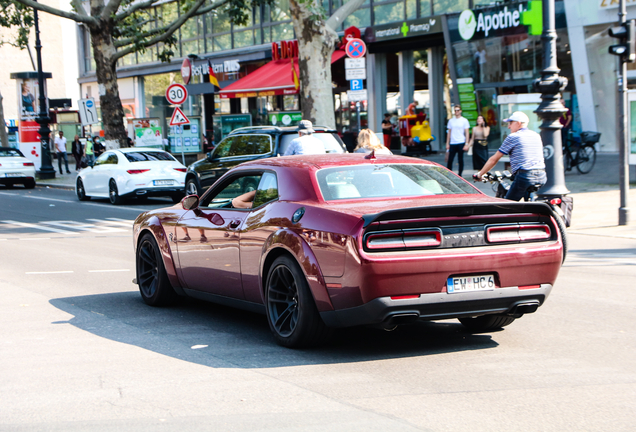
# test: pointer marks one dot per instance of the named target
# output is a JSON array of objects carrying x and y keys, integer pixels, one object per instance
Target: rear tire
[
  {"x": 154, "y": 286},
  {"x": 586, "y": 157},
  {"x": 113, "y": 194},
  {"x": 564, "y": 235},
  {"x": 80, "y": 191},
  {"x": 486, "y": 322},
  {"x": 29, "y": 184},
  {"x": 291, "y": 311}
]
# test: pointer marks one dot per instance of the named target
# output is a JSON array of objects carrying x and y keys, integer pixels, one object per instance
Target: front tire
[
  {"x": 586, "y": 157},
  {"x": 154, "y": 286},
  {"x": 113, "y": 194},
  {"x": 192, "y": 188},
  {"x": 486, "y": 322},
  {"x": 291, "y": 311},
  {"x": 81, "y": 191}
]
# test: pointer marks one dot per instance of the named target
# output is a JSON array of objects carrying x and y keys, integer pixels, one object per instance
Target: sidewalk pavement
[{"x": 596, "y": 195}]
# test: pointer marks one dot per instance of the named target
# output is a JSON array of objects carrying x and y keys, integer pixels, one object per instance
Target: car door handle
[{"x": 235, "y": 223}]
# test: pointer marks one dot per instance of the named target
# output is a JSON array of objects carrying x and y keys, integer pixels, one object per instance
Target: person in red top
[{"x": 387, "y": 130}]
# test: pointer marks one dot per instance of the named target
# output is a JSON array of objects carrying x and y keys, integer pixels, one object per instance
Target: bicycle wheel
[
  {"x": 567, "y": 159},
  {"x": 586, "y": 157}
]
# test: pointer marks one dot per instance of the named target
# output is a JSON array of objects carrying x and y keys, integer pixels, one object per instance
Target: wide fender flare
[
  {"x": 154, "y": 226},
  {"x": 296, "y": 246}
]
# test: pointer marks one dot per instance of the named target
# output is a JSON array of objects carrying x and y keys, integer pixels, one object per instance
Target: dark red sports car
[{"x": 320, "y": 242}]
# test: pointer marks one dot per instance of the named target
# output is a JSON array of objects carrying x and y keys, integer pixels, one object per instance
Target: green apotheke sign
[{"x": 495, "y": 21}]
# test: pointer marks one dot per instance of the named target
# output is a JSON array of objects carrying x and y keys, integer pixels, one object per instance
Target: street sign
[
  {"x": 186, "y": 70},
  {"x": 355, "y": 63},
  {"x": 351, "y": 74},
  {"x": 357, "y": 95},
  {"x": 88, "y": 111},
  {"x": 178, "y": 118},
  {"x": 356, "y": 84},
  {"x": 176, "y": 94},
  {"x": 355, "y": 48}
]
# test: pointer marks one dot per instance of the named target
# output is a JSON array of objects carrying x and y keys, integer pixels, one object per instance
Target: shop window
[
  {"x": 257, "y": 36},
  {"x": 167, "y": 13},
  {"x": 360, "y": 18},
  {"x": 248, "y": 23},
  {"x": 290, "y": 103},
  {"x": 221, "y": 22},
  {"x": 280, "y": 11},
  {"x": 411, "y": 8},
  {"x": 282, "y": 32},
  {"x": 267, "y": 34},
  {"x": 243, "y": 38},
  {"x": 221, "y": 106},
  {"x": 223, "y": 42},
  {"x": 387, "y": 13},
  {"x": 449, "y": 6}
]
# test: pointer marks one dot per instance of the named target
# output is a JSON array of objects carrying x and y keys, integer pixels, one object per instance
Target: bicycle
[{"x": 580, "y": 152}]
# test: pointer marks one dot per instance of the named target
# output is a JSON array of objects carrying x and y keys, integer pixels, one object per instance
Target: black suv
[{"x": 247, "y": 144}]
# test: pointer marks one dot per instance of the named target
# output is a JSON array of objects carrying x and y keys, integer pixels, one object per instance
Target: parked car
[
  {"x": 247, "y": 144},
  {"x": 132, "y": 172},
  {"x": 15, "y": 168},
  {"x": 332, "y": 241}
]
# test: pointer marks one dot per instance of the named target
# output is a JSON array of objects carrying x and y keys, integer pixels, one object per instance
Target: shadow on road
[{"x": 234, "y": 338}]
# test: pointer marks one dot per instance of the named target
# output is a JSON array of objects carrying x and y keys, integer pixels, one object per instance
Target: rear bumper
[
  {"x": 25, "y": 177},
  {"x": 438, "y": 306},
  {"x": 155, "y": 191}
]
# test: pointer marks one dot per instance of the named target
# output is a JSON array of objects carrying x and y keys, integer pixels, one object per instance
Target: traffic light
[{"x": 626, "y": 34}]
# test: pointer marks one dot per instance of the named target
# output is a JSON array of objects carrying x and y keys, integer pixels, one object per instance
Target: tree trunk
[
  {"x": 3, "y": 126},
  {"x": 316, "y": 44},
  {"x": 106, "y": 69}
]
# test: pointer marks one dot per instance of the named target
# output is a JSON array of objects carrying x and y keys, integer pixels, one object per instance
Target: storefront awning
[{"x": 274, "y": 78}]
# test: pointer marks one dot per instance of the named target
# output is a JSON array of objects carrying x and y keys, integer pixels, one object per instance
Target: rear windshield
[
  {"x": 10, "y": 153},
  {"x": 144, "y": 156},
  {"x": 394, "y": 180},
  {"x": 331, "y": 143}
]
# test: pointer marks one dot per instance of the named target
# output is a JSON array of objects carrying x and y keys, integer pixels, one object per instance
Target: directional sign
[
  {"x": 356, "y": 84},
  {"x": 178, "y": 118},
  {"x": 355, "y": 63},
  {"x": 88, "y": 112},
  {"x": 351, "y": 74},
  {"x": 176, "y": 94},
  {"x": 355, "y": 48},
  {"x": 357, "y": 95}
]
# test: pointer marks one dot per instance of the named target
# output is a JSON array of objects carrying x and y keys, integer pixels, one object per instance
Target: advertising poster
[
  {"x": 147, "y": 133},
  {"x": 28, "y": 107}
]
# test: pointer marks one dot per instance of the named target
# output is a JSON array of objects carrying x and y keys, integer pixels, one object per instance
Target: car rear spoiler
[{"x": 459, "y": 210}]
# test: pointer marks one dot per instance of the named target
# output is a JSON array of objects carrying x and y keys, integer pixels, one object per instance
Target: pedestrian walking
[
  {"x": 456, "y": 139},
  {"x": 387, "y": 130},
  {"x": 306, "y": 143},
  {"x": 525, "y": 149},
  {"x": 479, "y": 143},
  {"x": 90, "y": 153},
  {"x": 60, "y": 147},
  {"x": 78, "y": 152},
  {"x": 98, "y": 147},
  {"x": 368, "y": 141}
]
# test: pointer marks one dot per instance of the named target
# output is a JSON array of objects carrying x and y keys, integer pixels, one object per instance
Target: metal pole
[
  {"x": 358, "y": 114},
  {"x": 46, "y": 168},
  {"x": 550, "y": 85},
  {"x": 623, "y": 140}
]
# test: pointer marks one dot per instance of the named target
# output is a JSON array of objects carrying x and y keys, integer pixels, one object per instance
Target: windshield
[
  {"x": 331, "y": 143},
  {"x": 395, "y": 180},
  {"x": 10, "y": 153},
  {"x": 144, "y": 156}
]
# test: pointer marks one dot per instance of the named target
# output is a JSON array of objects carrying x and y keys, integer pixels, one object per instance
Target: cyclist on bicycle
[{"x": 525, "y": 149}]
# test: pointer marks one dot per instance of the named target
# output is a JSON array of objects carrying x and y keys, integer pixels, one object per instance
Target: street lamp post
[
  {"x": 550, "y": 85},
  {"x": 46, "y": 168}
]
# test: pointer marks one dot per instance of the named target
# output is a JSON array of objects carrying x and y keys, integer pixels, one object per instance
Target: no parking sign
[{"x": 355, "y": 48}]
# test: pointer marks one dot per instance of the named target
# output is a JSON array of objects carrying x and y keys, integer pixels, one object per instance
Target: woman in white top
[{"x": 368, "y": 141}]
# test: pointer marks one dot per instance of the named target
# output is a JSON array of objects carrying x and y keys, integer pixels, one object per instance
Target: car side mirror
[{"x": 190, "y": 202}]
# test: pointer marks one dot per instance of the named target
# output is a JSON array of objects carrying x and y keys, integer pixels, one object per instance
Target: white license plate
[
  {"x": 14, "y": 175},
  {"x": 163, "y": 182},
  {"x": 470, "y": 283}
]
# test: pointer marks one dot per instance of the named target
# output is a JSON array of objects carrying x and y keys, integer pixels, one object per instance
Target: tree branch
[
  {"x": 79, "y": 8},
  {"x": 337, "y": 18},
  {"x": 110, "y": 8},
  {"x": 134, "y": 8},
  {"x": 173, "y": 28},
  {"x": 85, "y": 19}
]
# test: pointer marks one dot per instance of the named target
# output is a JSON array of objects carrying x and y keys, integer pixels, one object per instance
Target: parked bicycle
[{"x": 580, "y": 152}]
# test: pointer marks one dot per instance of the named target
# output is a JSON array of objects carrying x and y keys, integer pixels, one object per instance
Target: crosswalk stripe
[{"x": 37, "y": 227}]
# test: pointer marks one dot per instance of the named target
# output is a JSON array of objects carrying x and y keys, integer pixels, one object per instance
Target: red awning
[{"x": 273, "y": 78}]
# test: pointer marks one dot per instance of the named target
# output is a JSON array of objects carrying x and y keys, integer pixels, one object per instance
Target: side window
[
  {"x": 237, "y": 186},
  {"x": 262, "y": 144},
  {"x": 102, "y": 159},
  {"x": 244, "y": 145},
  {"x": 111, "y": 159},
  {"x": 223, "y": 149},
  {"x": 267, "y": 190}
]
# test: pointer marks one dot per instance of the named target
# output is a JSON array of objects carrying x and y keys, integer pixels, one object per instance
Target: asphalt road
[{"x": 80, "y": 351}]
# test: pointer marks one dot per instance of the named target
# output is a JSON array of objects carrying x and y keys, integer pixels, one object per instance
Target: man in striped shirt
[{"x": 525, "y": 149}]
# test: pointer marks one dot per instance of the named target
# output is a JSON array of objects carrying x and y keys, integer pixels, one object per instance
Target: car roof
[
  {"x": 276, "y": 129},
  {"x": 136, "y": 149},
  {"x": 316, "y": 162}
]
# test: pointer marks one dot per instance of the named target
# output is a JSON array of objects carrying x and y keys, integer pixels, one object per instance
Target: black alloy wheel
[
  {"x": 486, "y": 323},
  {"x": 81, "y": 192},
  {"x": 586, "y": 157},
  {"x": 192, "y": 188},
  {"x": 113, "y": 194},
  {"x": 291, "y": 312},
  {"x": 154, "y": 286}
]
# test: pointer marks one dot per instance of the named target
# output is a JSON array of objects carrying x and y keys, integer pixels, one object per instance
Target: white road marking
[
  {"x": 102, "y": 226},
  {"x": 71, "y": 201},
  {"x": 50, "y": 272},
  {"x": 35, "y": 226},
  {"x": 34, "y": 238},
  {"x": 108, "y": 271},
  {"x": 36, "y": 197},
  {"x": 83, "y": 226}
]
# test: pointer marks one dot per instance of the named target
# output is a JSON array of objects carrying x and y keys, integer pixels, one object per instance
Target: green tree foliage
[{"x": 16, "y": 17}]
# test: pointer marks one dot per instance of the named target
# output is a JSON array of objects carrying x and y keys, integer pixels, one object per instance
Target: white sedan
[
  {"x": 132, "y": 172},
  {"x": 16, "y": 169}
]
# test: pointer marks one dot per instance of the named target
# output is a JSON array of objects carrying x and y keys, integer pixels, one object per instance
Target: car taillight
[
  {"x": 517, "y": 233},
  {"x": 28, "y": 164},
  {"x": 418, "y": 239},
  {"x": 392, "y": 240},
  {"x": 405, "y": 297},
  {"x": 406, "y": 239},
  {"x": 555, "y": 201},
  {"x": 137, "y": 171},
  {"x": 181, "y": 169}
]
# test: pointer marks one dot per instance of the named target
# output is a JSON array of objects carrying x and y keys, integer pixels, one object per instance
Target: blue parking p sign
[{"x": 356, "y": 84}]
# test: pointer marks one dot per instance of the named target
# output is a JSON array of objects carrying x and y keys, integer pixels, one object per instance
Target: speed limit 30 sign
[{"x": 176, "y": 94}]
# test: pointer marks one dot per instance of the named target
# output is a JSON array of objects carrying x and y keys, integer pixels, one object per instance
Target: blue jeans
[
  {"x": 60, "y": 156},
  {"x": 90, "y": 159},
  {"x": 524, "y": 180}
]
